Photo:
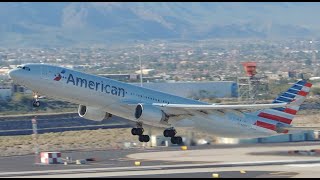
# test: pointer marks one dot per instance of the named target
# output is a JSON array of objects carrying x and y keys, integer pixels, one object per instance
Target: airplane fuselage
[{"x": 120, "y": 99}]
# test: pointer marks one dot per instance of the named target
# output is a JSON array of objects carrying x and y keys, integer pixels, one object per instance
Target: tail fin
[
  {"x": 283, "y": 116},
  {"x": 295, "y": 95}
]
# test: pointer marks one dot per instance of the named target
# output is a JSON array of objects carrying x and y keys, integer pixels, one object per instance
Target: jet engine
[
  {"x": 150, "y": 114},
  {"x": 92, "y": 113}
]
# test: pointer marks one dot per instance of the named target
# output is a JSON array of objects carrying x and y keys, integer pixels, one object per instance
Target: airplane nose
[{"x": 13, "y": 73}]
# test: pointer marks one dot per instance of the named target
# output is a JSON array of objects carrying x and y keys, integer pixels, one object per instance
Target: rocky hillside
[{"x": 83, "y": 23}]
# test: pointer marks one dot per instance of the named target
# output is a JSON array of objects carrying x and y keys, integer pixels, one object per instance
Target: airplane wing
[
  {"x": 220, "y": 107},
  {"x": 182, "y": 111},
  {"x": 189, "y": 109}
]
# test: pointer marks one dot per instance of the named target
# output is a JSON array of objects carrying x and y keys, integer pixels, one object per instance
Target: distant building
[
  {"x": 145, "y": 71},
  {"x": 5, "y": 92},
  {"x": 292, "y": 74},
  {"x": 20, "y": 89},
  {"x": 284, "y": 74},
  {"x": 273, "y": 76},
  {"x": 121, "y": 77},
  {"x": 4, "y": 70},
  {"x": 17, "y": 88},
  {"x": 68, "y": 66},
  {"x": 151, "y": 78},
  {"x": 314, "y": 78},
  {"x": 212, "y": 89}
]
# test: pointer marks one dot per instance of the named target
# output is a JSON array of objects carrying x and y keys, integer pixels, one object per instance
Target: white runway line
[
  {"x": 304, "y": 165},
  {"x": 123, "y": 171}
]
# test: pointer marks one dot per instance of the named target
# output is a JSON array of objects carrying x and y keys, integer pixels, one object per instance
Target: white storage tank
[{"x": 159, "y": 141}]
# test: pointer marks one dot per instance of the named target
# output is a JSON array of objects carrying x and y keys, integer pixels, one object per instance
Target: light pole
[
  {"x": 35, "y": 139},
  {"x": 140, "y": 69},
  {"x": 141, "y": 46}
]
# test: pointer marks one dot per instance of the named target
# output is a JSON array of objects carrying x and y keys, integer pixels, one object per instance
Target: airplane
[{"x": 99, "y": 98}]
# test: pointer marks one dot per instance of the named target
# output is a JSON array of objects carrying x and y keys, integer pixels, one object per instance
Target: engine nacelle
[
  {"x": 92, "y": 113},
  {"x": 150, "y": 114}
]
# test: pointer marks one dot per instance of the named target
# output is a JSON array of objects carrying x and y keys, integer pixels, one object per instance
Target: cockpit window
[{"x": 24, "y": 67}]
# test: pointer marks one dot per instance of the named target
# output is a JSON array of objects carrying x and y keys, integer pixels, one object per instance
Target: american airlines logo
[
  {"x": 97, "y": 86},
  {"x": 57, "y": 77}
]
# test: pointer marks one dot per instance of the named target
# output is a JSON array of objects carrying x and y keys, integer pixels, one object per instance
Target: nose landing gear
[{"x": 35, "y": 102}]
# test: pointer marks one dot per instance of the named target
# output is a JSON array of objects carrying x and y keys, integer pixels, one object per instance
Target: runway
[
  {"x": 191, "y": 170},
  {"x": 197, "y": 161}
]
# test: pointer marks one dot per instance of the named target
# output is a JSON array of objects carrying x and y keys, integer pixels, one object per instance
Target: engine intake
[
  {"x": 92, "y": 113},
  {"x": 149, "y": 113}
]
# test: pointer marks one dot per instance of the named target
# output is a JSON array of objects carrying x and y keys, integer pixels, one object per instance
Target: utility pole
[
  {"x": 35, "y": 139},
  {"x": 140, "y": 69},
  {"x": 140, "y": 65}
]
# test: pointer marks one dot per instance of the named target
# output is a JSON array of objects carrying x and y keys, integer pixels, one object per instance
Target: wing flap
[{"x": 221, "y": 107}]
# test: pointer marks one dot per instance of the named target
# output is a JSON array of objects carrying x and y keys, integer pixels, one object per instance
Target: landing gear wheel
[
  {"x": 144, "y": 138},
  {"x": 176, "y": 140},
  {"x": 137, "y": 131},
  {"x": 169, "y": 133},
  {"x": 36, "y": 103},
  {"x": 179, "y": 140},
  {"x": 173, "y": 140},
  {"x": 133, "y": 131}
]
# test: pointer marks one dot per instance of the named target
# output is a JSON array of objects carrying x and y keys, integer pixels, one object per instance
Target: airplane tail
[{"x": 281, "y": 117}]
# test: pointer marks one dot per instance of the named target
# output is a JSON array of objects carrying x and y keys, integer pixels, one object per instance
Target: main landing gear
[
  {"x": 35, "y": 102},
  {"x": 139, "y": 131},
  {"x": 171, "y": 133}
]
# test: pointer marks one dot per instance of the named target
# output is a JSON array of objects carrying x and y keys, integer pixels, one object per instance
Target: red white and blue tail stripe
[{"x": 295, "y": 96}]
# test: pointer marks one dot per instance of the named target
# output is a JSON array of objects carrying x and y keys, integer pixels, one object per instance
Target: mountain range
[{"x": 86, "y": 23}]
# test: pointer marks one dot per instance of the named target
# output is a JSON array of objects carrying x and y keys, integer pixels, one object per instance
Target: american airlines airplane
[{"x": 100, "y": 98}]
